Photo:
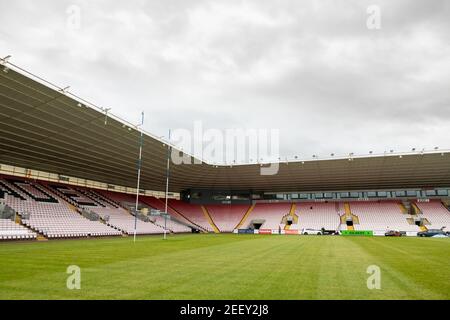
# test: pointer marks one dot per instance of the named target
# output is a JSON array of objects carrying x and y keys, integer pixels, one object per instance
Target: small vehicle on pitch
[
  {"x": 311, "y": 231},
  {"x": 393, "y": 233},
  {"x": 431, "y": 233},
  {"x": 322, "y": 231}
]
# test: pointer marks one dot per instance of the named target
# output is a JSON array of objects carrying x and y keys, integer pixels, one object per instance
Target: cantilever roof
[{"x": 44, "y": 128}]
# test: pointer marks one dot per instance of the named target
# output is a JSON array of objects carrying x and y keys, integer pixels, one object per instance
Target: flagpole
[
  {"x": 141, "y": 140},
  {"x": 167, "y": 188}
]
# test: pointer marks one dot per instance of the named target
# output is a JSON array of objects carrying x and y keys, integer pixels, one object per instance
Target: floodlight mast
[
  {"x": 167, "y": 187},
  {"x": 141, "y": 140}
]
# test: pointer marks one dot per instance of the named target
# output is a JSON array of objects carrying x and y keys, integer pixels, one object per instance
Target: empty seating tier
[
  {"x": 269, "y": 214},
  {"x": 159, "y": 204},
  {"x": 193, "y": 212},
  {"x": 58, "y": 210},
  {"x": 9, "y": 230},
  {"x": 381, "y": 216},
  {"x": 109, "y": 198},
  {"x": 436, "y": 213},
  {"x": 55, "y": 220},
  {"x": 226, "y": 217},
  {"x": 122, "y": 220},
  {"x": 317, "y": 215}
]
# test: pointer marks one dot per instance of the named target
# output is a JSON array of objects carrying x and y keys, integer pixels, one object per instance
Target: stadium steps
[
  {"x": 210, "y": 220},
  {"x": 292, "y": 214},
  {"x": 284, "y": 221},
  {"x": 415, "y": 208},
  {"x": 425, "y": 222},
  {"x": 349, "y": 213},
  {"x": 40, "y": 237},
  {"x": 72, "y": 207},
  {"x": 250, "y": 209},
  {"x": 403, "y": 208},
  {"x": 418, "y": 213}
]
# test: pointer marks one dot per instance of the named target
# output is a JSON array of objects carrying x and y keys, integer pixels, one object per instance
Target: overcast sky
[{"x": 311, "y": 69}]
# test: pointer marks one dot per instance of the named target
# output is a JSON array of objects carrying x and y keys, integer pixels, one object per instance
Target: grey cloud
[{"x": 311, "y": 69}]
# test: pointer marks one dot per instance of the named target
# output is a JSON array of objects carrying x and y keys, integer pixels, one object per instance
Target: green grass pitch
[{"x": 227, "y": 266}]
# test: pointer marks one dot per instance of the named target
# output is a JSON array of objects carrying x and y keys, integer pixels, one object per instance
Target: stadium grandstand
[{"x": 68, "y": 171}]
